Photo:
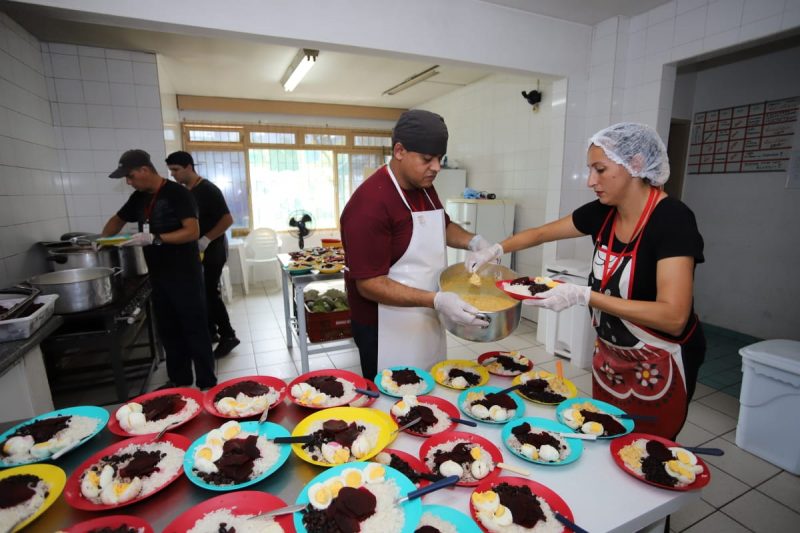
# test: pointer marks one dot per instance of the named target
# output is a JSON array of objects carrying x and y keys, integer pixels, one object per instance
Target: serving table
[
  {"x": 293, "y": 286},
  {"x": 602, "y": 497}
]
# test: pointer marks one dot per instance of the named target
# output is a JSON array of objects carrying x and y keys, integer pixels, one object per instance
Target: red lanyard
[
  {"x": 149, "y": 208},
  {"x": 608, "y": 270}
]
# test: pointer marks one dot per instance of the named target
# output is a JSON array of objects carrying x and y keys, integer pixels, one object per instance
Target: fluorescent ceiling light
[
  {"x": 300, "y": 66},
  {"x": 413, "y": 80}
]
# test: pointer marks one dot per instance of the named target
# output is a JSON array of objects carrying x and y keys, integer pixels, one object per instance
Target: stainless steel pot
[
  {"x": 78, "y": 289},
  {"x": 132, "y": 261},
  {"x": 82, "y": 257},
  {"x": 501, "y": 323}
]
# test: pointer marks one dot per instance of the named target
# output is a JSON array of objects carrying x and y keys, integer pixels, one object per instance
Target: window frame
[{"x": 299, "y": 132}]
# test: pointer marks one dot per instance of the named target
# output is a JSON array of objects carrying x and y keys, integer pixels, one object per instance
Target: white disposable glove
[
  {"x": 139, "y": 239},
  {"x": 203, "y": 243},
  {"x": 562, "y": 296},
  {"x": 477, "y": 259},
  {"x": 457, "y": 310},
  {"x": 478, "y": 243}
]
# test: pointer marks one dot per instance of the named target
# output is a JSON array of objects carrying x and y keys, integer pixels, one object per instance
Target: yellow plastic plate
[
  {"x": 52, "y": 475},
  {"x": 461, "y": 363},
  {"x": 572, "y": 390},
  {"x": 383, "y": 421}
]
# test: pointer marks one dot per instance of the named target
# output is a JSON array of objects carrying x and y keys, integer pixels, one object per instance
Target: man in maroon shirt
[{"x": 395, "y": 233}]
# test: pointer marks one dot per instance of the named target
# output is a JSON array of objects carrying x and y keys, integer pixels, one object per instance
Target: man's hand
[
  {"x": 561, "y": 297},
  {"x": 457, "y": 310},
  {"x": 477, "y": 259},
  {"x": 203, "y": 243},
  {"x": 139, "y": 239}
]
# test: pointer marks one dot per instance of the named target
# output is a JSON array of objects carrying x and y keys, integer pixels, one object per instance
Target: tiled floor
[
  {"x": 745, "y": 494},
  {"x": 722, "y": 369}
]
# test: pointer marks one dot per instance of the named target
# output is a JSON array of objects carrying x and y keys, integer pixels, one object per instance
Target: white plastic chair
[{"x": 261, "y": 247}]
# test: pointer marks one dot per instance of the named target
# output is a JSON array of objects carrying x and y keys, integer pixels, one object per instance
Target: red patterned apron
[{"x": 633, "y": 367}]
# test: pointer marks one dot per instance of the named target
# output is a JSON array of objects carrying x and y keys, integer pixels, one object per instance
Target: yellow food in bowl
[{"x": 487, "y": 302}]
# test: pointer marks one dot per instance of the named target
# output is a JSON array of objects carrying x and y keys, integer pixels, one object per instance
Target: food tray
[
  {"x": 22, "y": 328},
  {"x": 329, "y": 326}
]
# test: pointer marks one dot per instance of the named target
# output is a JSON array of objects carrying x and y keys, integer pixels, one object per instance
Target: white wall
[
  {"x": 169, "y": 111},
  {"x": 750, "y": 221},
  {"x": 104, "y": 102},
  {"x": 32, "y": 204}
]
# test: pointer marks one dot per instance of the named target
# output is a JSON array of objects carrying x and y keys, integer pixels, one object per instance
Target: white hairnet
[{"x": 638, "y": 148}]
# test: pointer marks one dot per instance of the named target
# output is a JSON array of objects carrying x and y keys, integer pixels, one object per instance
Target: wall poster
[{"x": 747, "y": 138}]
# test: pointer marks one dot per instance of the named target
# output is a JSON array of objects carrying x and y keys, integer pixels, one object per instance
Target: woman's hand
[{"x": 561, "y": 297}]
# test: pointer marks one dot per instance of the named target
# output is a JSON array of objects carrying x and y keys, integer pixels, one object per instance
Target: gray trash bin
[{"x": 770, "y": 401}]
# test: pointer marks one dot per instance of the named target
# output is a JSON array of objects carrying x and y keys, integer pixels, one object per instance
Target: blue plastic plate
[
  {"x": 413, "y": 508},
  {"x": 603, "y": 406},
  {"x": 462, "y": 522},
  {"x": 462, "y": 398},
  {"x": 89, "y": 411},
  {"x": 268, "y": 429},
  {"x": 430, "y": 383},
  {"x": 575, "y": 445}
]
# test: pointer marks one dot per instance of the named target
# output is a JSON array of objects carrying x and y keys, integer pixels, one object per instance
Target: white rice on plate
[
  {"x": 404, "y": 406},
  {"x": 98, "y": 489},
  {"x": 21, "y": 449},
  {"x": 443, "y": 376},
  {"x": 211, "y": 522},
  {"x": 269, "y": 453},
  {"x": 550, "y": 524},
  {"x": 11, "y": 516},
  {"x": 389, "y": 384},
  {"x": 494, "y": 413},
  {"x": 563, "y": 450},
  {"x": 467, "y": 468},
  {"x": 243, "y": 405},
  {"x": 154, "y": 426},
  {"x": 430, "y": 519},
  {"x": 305, "y": 394}
]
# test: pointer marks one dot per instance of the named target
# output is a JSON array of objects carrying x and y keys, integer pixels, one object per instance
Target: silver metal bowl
[{"x": 455, "y": 278}]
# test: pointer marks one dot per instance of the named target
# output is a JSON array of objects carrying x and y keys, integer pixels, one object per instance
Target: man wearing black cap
[
  {"x": 395, "y": 233},
  {"x": 215, "y": 219},
  {"x": 168, "y": 230}
]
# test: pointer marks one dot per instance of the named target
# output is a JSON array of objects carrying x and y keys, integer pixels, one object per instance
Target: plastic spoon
[
  {"x": 582, "y": 436},
  {"x": 515, "y": 469},
  {"x": 569, "y": 523},
  {"x": 560, "y": 370},
  {"x": 300, "y": 439},
  {"x": 408, "y": 425},
  {"x": 370, "y": 393},
  {"x": 705, "y": 451},
  {"x": 511, "y": 389},
  {"x": 643, "y": 418},
  {"x": 469, "y": 423}
]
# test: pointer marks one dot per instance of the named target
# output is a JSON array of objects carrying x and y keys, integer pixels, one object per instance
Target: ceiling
[{"x": 250, "y": 68}]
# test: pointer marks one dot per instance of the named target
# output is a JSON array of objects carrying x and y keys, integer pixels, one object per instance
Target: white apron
[{"x": 413, "y": 335}]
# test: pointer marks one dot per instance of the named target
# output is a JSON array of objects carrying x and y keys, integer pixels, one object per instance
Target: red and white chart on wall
[{"x": 748, "y": 138}]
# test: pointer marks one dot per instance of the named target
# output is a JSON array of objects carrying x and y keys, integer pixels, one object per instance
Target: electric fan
[{"x": 302, "y": 226}]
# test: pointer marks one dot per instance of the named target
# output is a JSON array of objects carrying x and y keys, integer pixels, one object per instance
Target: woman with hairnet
[{"x": 650, "y": 342}]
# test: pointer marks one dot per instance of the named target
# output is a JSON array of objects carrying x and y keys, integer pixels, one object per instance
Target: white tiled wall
[
  {"x": 32, "y": 206},
  {"x": 104, "y": 102},
  {"x": 632, "y": 73}
]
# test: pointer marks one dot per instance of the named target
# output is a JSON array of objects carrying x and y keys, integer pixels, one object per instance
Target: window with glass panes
[{"x": 268, "y": 172}]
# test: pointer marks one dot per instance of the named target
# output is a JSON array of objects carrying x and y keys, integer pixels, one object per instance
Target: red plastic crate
[{"x": 330, "y": 326}]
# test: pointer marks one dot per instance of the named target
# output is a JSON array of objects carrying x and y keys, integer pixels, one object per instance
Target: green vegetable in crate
[
  {"x": 311, "y": 295},
  {"x": 335, "y": 294}
]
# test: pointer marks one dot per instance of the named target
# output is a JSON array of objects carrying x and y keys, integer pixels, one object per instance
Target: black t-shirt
[
  {"x": 670, "y": 232},
  {"x": 212, "y": 206},
  {"x": 173, "y": 203}
]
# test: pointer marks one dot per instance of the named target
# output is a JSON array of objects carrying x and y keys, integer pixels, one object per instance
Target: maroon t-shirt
[{"x": 376, "y": 229}]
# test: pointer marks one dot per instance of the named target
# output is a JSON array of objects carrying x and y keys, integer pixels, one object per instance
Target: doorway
[{"x": 677, "y": 149}]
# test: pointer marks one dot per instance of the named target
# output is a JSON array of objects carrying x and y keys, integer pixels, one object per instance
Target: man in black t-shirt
[
  {"x": 215, "y": 219},
  {"x": 168, "y": 230}
]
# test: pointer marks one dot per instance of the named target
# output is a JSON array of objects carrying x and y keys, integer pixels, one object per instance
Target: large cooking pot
[
  {"x": 70, "y": 257},
  {"x": 131, "y": 259},
  {"x": 501, "y": 323},
  {"x": 78, "y": 289}
]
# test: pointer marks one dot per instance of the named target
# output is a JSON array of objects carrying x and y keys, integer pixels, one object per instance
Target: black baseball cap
[
  {"x": 130, "y": 160},
  {"x": 181, "y": 158},
  {"x": 421, "y": 131}
]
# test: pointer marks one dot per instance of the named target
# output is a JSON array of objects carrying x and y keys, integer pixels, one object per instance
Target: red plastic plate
[
  {"x": 72, "y": 491},
  {"x": 269, "y": 381},
  {"x": 553, "y": 500},
  {"x": 195, "y": 394},
  {"x": 111, "y": 522},
  {"x": 500, "y": 285},
  {"x": 442, "y": 404},
  {"x": 414, "y": 462},
  {"x": 700, "y": 481},
  {"x": 242, "y": 502},
  {"x": 448, "y": 436},
  {"x": 352, "y": 377},
  {"x": 484, "y": 356}
]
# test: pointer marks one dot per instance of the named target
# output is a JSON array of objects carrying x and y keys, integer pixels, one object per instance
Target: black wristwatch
[{"x": 157, "y": 240}]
